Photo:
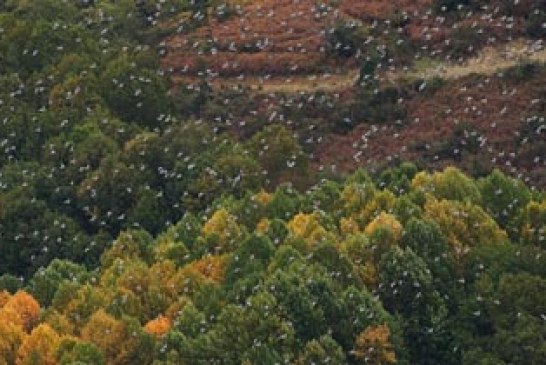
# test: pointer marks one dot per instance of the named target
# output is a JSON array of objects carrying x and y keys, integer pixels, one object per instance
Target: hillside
[
  {"x": 270, "y": 52},
  {"x": 268, "y": 182}
]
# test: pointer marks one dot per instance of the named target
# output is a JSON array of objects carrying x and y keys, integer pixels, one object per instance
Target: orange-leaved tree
[
  {"x": 373, "y": 346},
  {"x": 25, "y": 307},
  {"x": 40, "y": 347}
]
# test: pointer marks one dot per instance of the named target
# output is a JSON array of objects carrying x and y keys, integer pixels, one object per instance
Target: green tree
[
  {"x": 503, "y": 198},
  {"x": 46, "y": 281},
  {"x": 406, "y": 289},
  {"x": 280, "y": 155},
  {"x": 321, "y": 351},
  {"x": 134, "y": 94},
  {"x": 72, "y": 351}
]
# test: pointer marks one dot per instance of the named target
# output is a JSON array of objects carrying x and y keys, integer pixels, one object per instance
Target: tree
[
  {"x": 233, "y": 171},
  {"x": 110, "y": 192},
  {"x": 360, "y": 310},
  {"x": 464, "y": 224},
  {"x": 212, "y": 267},
  {"x": 385, "y": 220},
  {"x": 134, "y": 94},
  {"x": 240, "y": 333},
  {"x": 72, "y": 351},
  {"x": 78, "y": 304},
  {"x": 46, "y": 234},
  {"x": 323, "y": 350},
  {"x": 121, "y": 341},
  {"x": 130, "y": 245},
  {"x": 25, "y": 307},
  {"x": 356, "y": 196},
  {"x": 308, "y": 227},
  {"x": 450, "y": 184},
  {"x": 532, "y": 221},
  {"x": 9, "y": 283},
  {"x": 223, "y": 231},
  {"x": 406, "y": 289},
  {"x": 398, "y": 179},
  {"x": 280, "y": 155},
  {"x": 252, "y": 256},
  {"x": 39, "y": 347},
  {"x": 523, "y": 343},
  {"x": 372, "y": 346},
  {"x": 503, "y": 197},
  {"x": 45, "y": 282},
  {"x": 426, "y": 239},
  {"x": 12, "y": 336}
]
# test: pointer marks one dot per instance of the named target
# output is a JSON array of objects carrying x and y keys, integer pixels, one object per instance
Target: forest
[{"x": 188, "y": 182}]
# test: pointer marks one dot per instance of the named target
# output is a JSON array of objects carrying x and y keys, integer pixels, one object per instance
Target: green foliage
[
  {"x": 130, "y": 245},
  {"x": 322, "y": 351},
  {"x": 503, "y": 197},
  {"x": 280, "y": 155},
  {"x": 75, "y": 352},
  {"x": 45, "y": 282},
  {"x": 398, "y": 179},
  {"x": 251, "y": 257},
  {"x": 451, "y": 184},
  {"x": 10, "y": 283},
  {"x": 134, "y": 94}
]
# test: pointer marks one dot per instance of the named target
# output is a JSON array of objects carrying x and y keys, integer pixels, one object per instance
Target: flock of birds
[
  {"x": 433, "y": 28},
  {"x": 275, "y": 103}
]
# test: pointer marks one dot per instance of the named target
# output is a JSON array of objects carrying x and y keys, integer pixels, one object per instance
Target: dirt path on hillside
[{"x": 489, "y": 61}]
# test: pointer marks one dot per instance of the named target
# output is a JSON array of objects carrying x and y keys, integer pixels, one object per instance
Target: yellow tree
[
  {"x": 348, "y": 226},
  {"x": 164, "y": 272},
  {"x": 39, "y": 347},
  {"x": 121, "y": 341},
  {"x": 465, "y": 225},
  {"x": 383, "y": 201},
  {"x": 137, "y": 289},
  {"x": 356, "y": 196},
  {"x": 385, "y": 220},
  {"x": 262, "y": 225},
  {"x": 308, "y": 228},
  {"x": 26, "y": 308},
  {"x": 449, "y": 184},
  {"x": 106, "y": 332},
  {"x": 223, "y": 228},
  {"x": 373, "y": 347},
  {"x": 263, "y": 197},
  {"x": 11, "y": 338},
  {"x": 359, "y": 250}
]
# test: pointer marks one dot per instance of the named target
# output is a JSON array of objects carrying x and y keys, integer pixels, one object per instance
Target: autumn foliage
[
  {"x": 159, "y": 326},
  {"x": 373, "y": 347},
  {"x": 298, "y": 275}
]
